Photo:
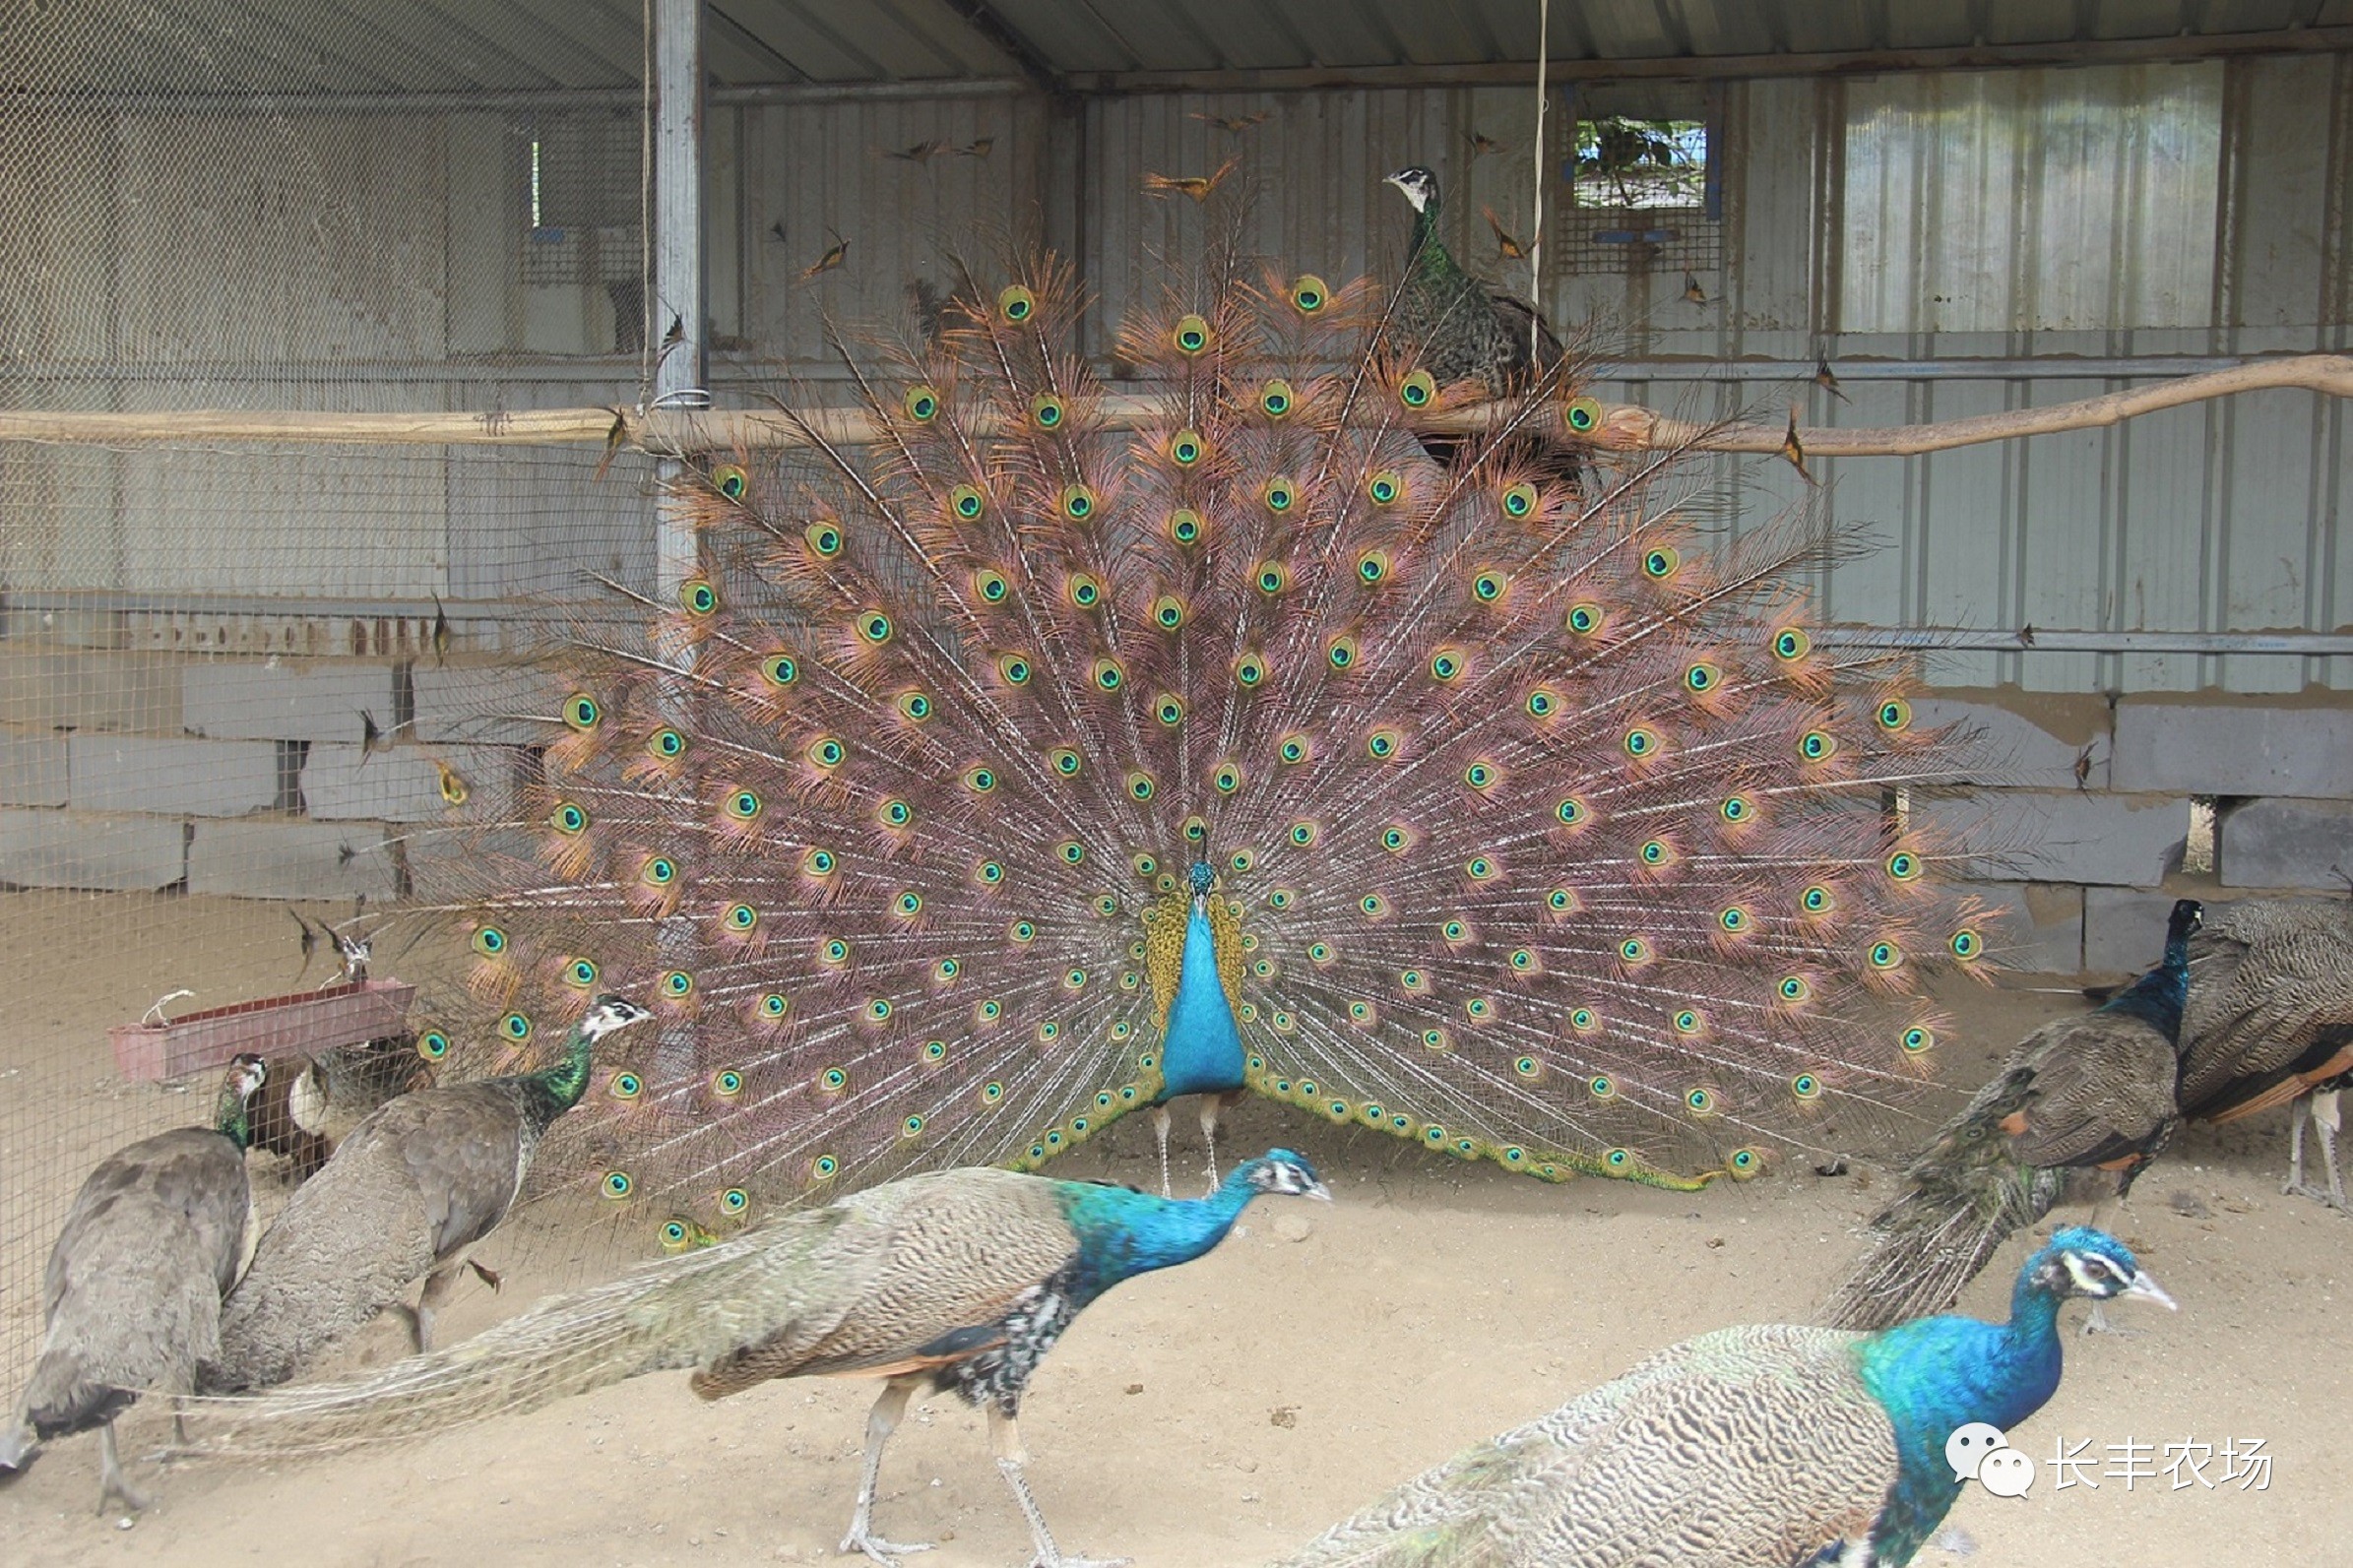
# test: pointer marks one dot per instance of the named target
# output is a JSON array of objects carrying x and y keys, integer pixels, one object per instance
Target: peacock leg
[
  {"x": 438, "y": 1285},
  {"x": 1005, "y": 1439},
  {"x": 1160, "y": 1130},
  {"x": 1211, "y": 1105},
  {"x": 881, "y": 1421},
  {"x": 113, "y": 1486},
  {"x": 2324, "y": 1114},
  {"x": 2295, "y": 1182}
]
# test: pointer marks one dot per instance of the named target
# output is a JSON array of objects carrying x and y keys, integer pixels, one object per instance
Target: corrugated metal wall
[{"x": 1956, "y": 243}]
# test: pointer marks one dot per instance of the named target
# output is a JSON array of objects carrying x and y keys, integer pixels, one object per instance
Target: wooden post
[{"x": 677, "y": 251}]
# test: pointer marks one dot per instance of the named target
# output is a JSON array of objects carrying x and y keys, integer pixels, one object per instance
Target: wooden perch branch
[{"x": 1625, "y": 428}]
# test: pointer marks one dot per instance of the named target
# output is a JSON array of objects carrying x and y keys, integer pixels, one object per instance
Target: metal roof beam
[
  {"x": 1722, "y": 67},
  {"x": 983, "y": 18}
]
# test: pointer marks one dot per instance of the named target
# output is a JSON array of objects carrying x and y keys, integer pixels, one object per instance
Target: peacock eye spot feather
[
  {"x": 779, "y": 670},
  {"x": 1108, "y": 674},
  {"x": 1071, "y": 851},
  {"x": 1818, "y": 745},
  {"x": 581, "y": 712},
  {"x": 1620, "y": 1158},
  {"x": 581, "y": 974},
  {"x": 895, "y": 813},
  {"x": 1169, "y": 709},
  {"x": 677, "y": 983},
  {"x": 1185, "y": 526},
  {"x": 665, "y": 744},
  {"x": 1583, "y": 620},
  {"x": 827, "y": 752},
  {"x": 1048, "y": 412},
  {"x": 660, "y": 871},
  {"x": 1734, "y": 809},
  {"x": 1066, "y": 761},
  {"x": 988, "y": 873},
  {"x": 1795, "y": 988},
  {"x": 1395, "y": 840},
  {"x": 1302, "y": 834},
  {"x": 1599, "y": 1087},
  {"x": 489, "y": 941},
  {"x": 820, "y": 863},
  {"x": 1273, "y": 578},
  {"x": 1106, "y": 907},
  {"x": 1583, "y": 414},
  {"x": 1917, "y": 1040},
  {"x": 734, "y": 1200},
  {"x": 1481, "y": 776},
  {"x": 832, "y": 1080},
  {"x": 1016, "y": 304},
  {"x": 1790, "y": 644},
  {"x": 1656, "y": 853},
  {"x": 1187, "y": 448},
  {"x": 1744, "y": 1162},
  {"x": 1660, "y": 562},
  {"x": 1023, "y": 932},
  {"x": 742, "y": 917},
  {"x": 1242, "y": 862},
  {"x": 1293, "y": 749},
  {"x": 1814, "y": 900},
  {"x": 968, "y": 503},
  {"x": 1967, "y": 944},
  {"x": 1167, "y": 612},
  {"x": 1190, "y": 335},
  {"x": 824, "y": 539},
  {"x": 1281, "y": 898},
  {"x": 726, "y": 1083},
  {"x": 1145, "y": 865},
  {"x": 1543, "y": 703},
  {"x": 618, "y": 1184},
  {"x": 835, "y": 951},
  {"x": 1519, "y": 501},
  {"x": 1903, "y": 866},
  {"x": 774, "y": 1005},
  {"x": 979, "y": 781},
  {"x": 673, "y": 1232},
  {"x": 1702, "y": 677},
  {"x": 1373, "y": 567},
  {"x": 744, "y": 805},
  {"x": 1522, "y": 961},
  {"x": 1083, "y": 591},
  {"x": 878, "y": 1011},
  {"x": 1454, "y": 930},
  {"x": 432, "y": 1045},
  {"x": 1894, "y": 714},
  {"x": 568, "y": 819},
  {"x": 1280, "y": 495},
  {"x": 1639, "y": 742},
  {"x": 1805, "y": 1087},
  {"x": 1276, "y": 399},
  {"x": 1732, "y": 920},
  {"x": 1584, "y": 1022},
  {"x": 1445, "y": 665},
  {"x": 1634, "y": 950},
  {"x": 627, "y": 1085},
  {"x": 1383, "y": 744},
  {"x": 990, "y": 1010},
  {"x": 922, "y": 404},
  {"x": 991, "y": 1092},
  {"x": 824, "y": 1167},
  {"x": 1340, "y": 652},
  {"x": 1528, "y": 1067},
  {"x": 1559, "y": 900},
  {"x": 1384, "y": 487},
  {"x": 1489, "y": 588},
  {"x": 1885, "y": 955},
  {"x": 874, "y": 627},
  {"x": 1227, "y": 780},
  {"x": 1479, "y": 868},
  {"x": 729, "y": 480},
  {"x": 1014, "y": 670},
  {"x": 909, "y": 903},
  {"x": 1688, "y": 1021},
  {"x": 1417, "y": 389},
  {"x": 698, "y": 597},
  {"x": 1078, "y": 502},
  {"x": 1310, "y": 294},
  {"x": 1196, "y": 831}
]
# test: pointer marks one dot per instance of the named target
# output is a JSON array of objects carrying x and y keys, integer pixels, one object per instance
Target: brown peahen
[
  {"x": 2269, "y": 1022},
  {"x": 2077, "y": 1109},
  {"x": 132, "y": 1293},
  {"x": 959, "y": 1281},
  {"x": 1014, "y": 771},
  {"x": 1784, "y": 1446},
  {"x": 407, "y": 1194},
  {"x": 312, "y": 1103}
]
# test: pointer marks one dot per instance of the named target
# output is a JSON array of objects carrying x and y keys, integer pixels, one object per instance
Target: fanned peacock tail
[{"x": 1532, "y": 826}]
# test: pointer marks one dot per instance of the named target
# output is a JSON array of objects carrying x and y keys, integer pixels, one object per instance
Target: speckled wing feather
[
  {"x": 426, "y": 1176},
  {"x": 2270, "y": 980},
  {"x": 2103, "y": 1090},
  {"x": 1745, "y": 1447},
  {"x": 133, "y": 1289}
]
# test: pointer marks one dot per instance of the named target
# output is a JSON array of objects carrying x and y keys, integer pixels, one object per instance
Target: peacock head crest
[
  {"x": 1421, "y": 187},
  {"x": 609, "y": 1014},
  {"x": 1202, "y": 878},
  {"x": 2082, "y": 1261},
  {"x": 2187, "y": 916},
  {"x": 1281, "y": 1170}
]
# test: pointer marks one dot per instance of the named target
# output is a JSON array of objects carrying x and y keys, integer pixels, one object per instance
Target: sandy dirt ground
[{"x": 1223, "y": 1412}]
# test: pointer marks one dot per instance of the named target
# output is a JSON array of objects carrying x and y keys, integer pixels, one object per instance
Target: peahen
[
  {"x": 2077, "y": 1110},
  {"x": 1750, "y": 1446},
  {"x": 312, "y": 1102},
  {"x": 959, "y": 1281},
  {"x": 132, "y": 1294},
  {"x": 1015, "y": 771},
  {"x": 404, "y": 1196},
  {"x": 2269, "y": 1022}
]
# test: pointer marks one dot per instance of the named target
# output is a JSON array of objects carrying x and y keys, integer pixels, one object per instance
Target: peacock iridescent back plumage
[{"x": 1533, "y": 825}]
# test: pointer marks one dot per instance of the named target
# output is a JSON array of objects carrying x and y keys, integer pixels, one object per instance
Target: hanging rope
[{"x": 1544, "y": 40}]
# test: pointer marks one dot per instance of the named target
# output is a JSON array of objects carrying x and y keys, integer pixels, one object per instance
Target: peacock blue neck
[
  {"x": 2160, "y": 995},
  {"x": 557, "y": 1087},
  {"x": 1202, "y": 1053},
  {"x": 1430, "y": 257},
  {"x": 1935, "y": 1374},
  {"x": 230, "y": 1119},
  {"x": 1123, "y": 1232}
]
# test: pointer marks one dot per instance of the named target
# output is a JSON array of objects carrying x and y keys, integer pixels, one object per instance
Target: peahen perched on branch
[
  {"x": 404, "y": 1197},
  {"x": 132, "y": 1293},
  {"x": 959, "y": 1281},
  {"x": 1748, "y": 1446},
  {"x": 1015, "y": 773},
  {"x": 2269, "y": 1022},
  {"x": 2078, "y": 1111}
]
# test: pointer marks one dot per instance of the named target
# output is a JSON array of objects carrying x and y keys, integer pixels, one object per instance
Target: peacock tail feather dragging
[{"x": 1010, "y": 773}]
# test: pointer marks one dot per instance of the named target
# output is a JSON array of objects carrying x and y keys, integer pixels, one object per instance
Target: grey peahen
[
  {"x": 1765, "y": 1445},
  {"x": 132, "y": 1294},
  {"x": 960, "y": 1281},
  {"x": 414, "y": 1186},
  {"x": 2075, "y": 1111},
  {"x": 1461, "y": 327},
  {"x": 2269, "y": 1022}
]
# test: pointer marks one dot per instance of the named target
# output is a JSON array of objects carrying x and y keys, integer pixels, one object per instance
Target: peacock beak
[{"x": 2143, "y": 1286}]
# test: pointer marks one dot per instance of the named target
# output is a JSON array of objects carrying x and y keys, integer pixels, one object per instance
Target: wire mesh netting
[{"x": 236, "y": 676}]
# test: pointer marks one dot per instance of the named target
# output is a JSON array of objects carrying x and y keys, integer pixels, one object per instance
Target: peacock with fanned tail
[{"x": 1038, "y": 757}]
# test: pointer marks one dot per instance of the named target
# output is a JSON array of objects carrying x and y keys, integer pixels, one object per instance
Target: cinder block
[
  {"x": 177, "y": 778},
  {"x": 73, "y": 850},
  {"x": 237, "y": 699},
  {"x": 45, "y": 688},
  {"x": 405, "y": 784},
  {"x": 2124, "y": 928},
  {"x": 2237, "y": 748},
  {"x": 486, "y": 702},
  {"x": 2038, "y": 926},
  {"x": 2065, "y": 836},
  {"x": 33, "y": 770},
  {"x": 2040, "y": 749},
  {"x": 2285, "y": 844},
  {"x": 261, "y": 858}
]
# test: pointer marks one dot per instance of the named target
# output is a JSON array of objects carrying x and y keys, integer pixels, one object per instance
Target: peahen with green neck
[
  {"x": 1761, "y": 1445},
  {"x": 132, "y": 1293},
  {"x": 2076, "y": 1112},
  {"x": 1021, "y": 768},
  {"x": 960, "y": 1281},
  {"x": 404, "y": 1196}
]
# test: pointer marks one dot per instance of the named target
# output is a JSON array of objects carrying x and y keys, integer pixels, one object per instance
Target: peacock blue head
[
  {"x": 1421, "y": 187},
  {"x": 2187, "y": 916},
  {"x": 2082, "y": 1261},
  {"x": 1283, "y": 1171},
  {"x": 1202, "y": 878}
]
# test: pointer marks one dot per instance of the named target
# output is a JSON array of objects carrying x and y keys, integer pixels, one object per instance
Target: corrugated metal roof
[{"x": 524, "y": 46}]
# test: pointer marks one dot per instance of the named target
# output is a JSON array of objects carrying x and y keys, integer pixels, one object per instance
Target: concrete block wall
[
  {"x": 2083, "y": 807},
  {"x": 135, "y": 771}
]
